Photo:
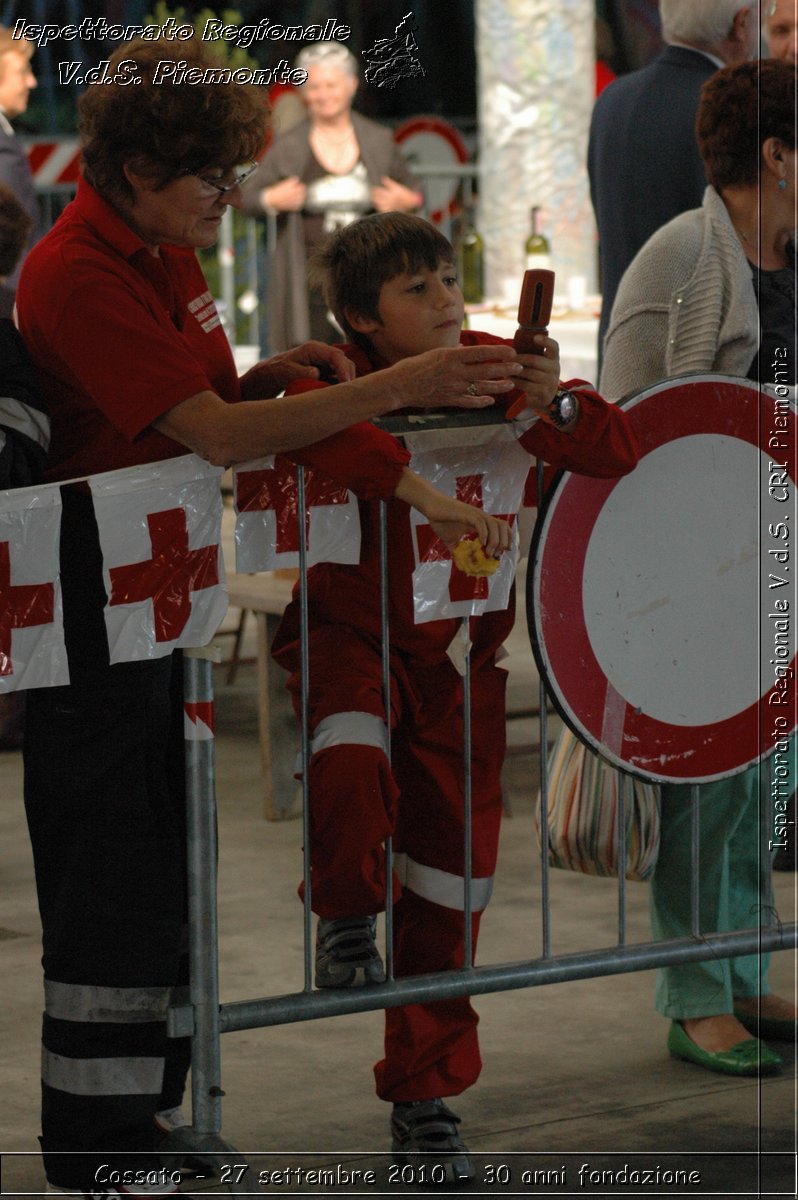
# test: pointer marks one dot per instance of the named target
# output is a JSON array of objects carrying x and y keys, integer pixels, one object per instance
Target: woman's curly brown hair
[
  {"x": 741, "y": 107},
  {"x": 168, "y": 128}
]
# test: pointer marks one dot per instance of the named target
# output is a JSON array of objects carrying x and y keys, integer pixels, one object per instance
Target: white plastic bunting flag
[
  {"x": 32, "y": 650},
  {"x": 160, "y": 533},
  {"x": 489, "y": 473},
  {"x": 267, "y": 527}
]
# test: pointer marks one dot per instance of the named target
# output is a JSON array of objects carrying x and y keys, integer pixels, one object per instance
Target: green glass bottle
[
  {"x": 472, "y": 262},
  {"x": 538, "y": 247}
]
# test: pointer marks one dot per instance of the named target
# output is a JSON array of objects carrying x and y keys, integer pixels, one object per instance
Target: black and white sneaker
[
  {"x": 347, "y": 954},
  {"x": 429, "y": 1128}
]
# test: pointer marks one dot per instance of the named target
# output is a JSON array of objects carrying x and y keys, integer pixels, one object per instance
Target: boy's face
[{"x": 418, "y": 311}]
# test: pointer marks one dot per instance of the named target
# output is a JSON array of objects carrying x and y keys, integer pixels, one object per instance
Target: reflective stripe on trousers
[{"x": 441, "y": 887}]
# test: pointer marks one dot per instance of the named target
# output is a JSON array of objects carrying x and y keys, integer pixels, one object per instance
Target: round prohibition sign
[
  {"x": 661, "y": 605},
  {"x": 431, "y": 141}
]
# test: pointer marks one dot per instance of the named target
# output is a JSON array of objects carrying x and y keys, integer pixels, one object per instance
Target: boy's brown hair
[{"x": 353, "y": 264}]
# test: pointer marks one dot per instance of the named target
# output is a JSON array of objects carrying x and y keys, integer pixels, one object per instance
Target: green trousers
[{"x": 735, "y": 868}]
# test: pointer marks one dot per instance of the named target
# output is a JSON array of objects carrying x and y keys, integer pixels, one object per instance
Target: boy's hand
[
  {"x": 458, "y": 377},
  {"x": 541, "y": 375},
  {"x": 452, "y": 519},
  {"x": 308, "y": 361},
  {"x": 494, "y": 534}
]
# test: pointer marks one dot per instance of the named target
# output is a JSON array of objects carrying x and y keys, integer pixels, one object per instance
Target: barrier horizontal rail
[{"x": 480, "y": 981}]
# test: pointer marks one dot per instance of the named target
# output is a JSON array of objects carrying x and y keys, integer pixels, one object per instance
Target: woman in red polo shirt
[{"x": 136, "y": 368}]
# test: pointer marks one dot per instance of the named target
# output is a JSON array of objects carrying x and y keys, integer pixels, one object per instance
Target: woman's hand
[
  {"x": 541, "y": 375},
  {"x": 286, "y": 196},
  {"x": 311, "y": 360},
  {"x": 452, "y": 519},
  {"x": 457, "y": 377},
  {"x": 391, "y": 196}
]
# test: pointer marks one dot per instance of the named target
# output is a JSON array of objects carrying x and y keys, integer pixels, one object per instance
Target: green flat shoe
[
  {"x": 750, "y": 1057},
  {"x": 777, "y": 1029}
]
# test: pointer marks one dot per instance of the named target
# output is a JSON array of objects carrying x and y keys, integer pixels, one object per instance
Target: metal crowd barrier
[{"x": 205, "y": 1019}]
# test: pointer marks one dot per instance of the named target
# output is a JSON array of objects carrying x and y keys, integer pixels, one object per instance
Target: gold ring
[{"x": 472, "y": 389}]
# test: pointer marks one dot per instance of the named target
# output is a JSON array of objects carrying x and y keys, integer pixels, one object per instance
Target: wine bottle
[
  {"x": 538, "y": 247},
  {"x": 472, "y": 263}
]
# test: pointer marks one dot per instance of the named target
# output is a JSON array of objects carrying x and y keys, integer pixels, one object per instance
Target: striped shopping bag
[{"x": 583, "y": 804}]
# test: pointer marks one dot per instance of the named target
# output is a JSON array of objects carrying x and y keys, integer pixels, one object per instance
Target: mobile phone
[{"x": 534, "y": 314}]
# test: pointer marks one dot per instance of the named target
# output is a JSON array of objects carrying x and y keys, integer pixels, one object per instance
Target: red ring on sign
[
  {"x": 442, "y": 129},
  {"x": 581, "y": 690}
]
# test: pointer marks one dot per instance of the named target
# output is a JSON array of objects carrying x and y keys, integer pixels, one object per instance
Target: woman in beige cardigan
[
  {"x": 714, "y": 290},
  {"x": 321, "y": 174}
]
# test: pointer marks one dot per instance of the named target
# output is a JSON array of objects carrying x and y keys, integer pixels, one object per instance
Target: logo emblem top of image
[{"x": 393, "y": 59}]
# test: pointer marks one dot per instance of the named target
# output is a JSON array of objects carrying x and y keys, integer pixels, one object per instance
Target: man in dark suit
[
  {"x": 643, "y": 159},
  {"x": 16, "y": 81}
]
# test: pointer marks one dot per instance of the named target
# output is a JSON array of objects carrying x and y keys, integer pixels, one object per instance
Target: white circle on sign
[
  {"x": 429, "y": 141},
  {"x": 665, "y": 571}
]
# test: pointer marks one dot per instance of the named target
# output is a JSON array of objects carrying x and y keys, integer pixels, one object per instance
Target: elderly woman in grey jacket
[
  {"x": 714, "y": 290},
  {"x": 319, "y": 175}
]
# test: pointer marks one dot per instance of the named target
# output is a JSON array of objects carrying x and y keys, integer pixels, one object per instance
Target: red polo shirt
[{"x": 118, "y": 337}]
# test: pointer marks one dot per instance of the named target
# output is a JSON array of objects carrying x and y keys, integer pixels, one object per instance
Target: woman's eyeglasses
[{"x": 237, "y": 176}]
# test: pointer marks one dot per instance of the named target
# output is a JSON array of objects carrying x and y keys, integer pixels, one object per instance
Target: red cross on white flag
[
  {"x": 160, "y": 533},
  {"x": 490, "y": 475},
  {"x": 32, "y": 650},
  {"x": 267, "y": 528}
]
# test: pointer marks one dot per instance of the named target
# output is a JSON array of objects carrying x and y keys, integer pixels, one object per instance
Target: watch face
[
  {"x": 567, "y": 408},
  {"x": 563, "y": 408}
]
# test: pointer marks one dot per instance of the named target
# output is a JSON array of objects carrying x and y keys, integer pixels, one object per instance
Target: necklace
[{"x": 332, "y": 141}]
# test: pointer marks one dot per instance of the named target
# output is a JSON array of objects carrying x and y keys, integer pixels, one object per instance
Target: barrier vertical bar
[
  {"x": 769, "y": 899},
  {"x": 202, "y": 1018},
  {"x": 206, "y": 1091},
  {"x": 623, "y": 784},
  {"x": 304, "y": 667},
  {"x": 543, "y": 724},
  {"x": 695, "y": 829},
  {"x": 252, "y": 281},
  {"x": 226, "y": 255},
  {"x": 386, "y": 683},
  {"x": 465, "y": 634}
]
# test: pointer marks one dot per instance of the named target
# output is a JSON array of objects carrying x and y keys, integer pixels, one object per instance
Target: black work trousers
[{"x": 105, "y": 801}]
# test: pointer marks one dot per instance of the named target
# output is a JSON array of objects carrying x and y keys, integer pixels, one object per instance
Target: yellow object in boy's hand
[{"x": 470, "y": 558}]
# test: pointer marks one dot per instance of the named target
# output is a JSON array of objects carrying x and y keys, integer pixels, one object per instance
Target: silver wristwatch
[{"x": 563, "y": 408}]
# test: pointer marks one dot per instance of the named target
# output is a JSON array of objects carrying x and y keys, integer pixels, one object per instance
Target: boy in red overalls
[{"x": 390, "y": 281}]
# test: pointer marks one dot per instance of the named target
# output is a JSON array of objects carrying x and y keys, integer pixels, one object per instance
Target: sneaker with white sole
[
  {"x": 347, "y": 954},
  {"x": 170, "y": 1119},
  {"x": 429, "y": 1128}
]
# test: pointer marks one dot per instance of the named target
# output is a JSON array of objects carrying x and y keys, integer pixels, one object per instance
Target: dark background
[{"x": 627, "y": 37}]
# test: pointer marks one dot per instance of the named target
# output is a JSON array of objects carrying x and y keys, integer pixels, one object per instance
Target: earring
[{"x": 782, "y": 185}]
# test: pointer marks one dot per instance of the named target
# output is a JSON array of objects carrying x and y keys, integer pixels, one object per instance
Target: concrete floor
[{"x": 576, "y": 1076}]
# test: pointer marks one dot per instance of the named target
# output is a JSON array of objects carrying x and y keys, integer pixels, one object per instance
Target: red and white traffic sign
[
  {"x": 433, "y": 142},
  {"x": 661, "y": 605}
]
